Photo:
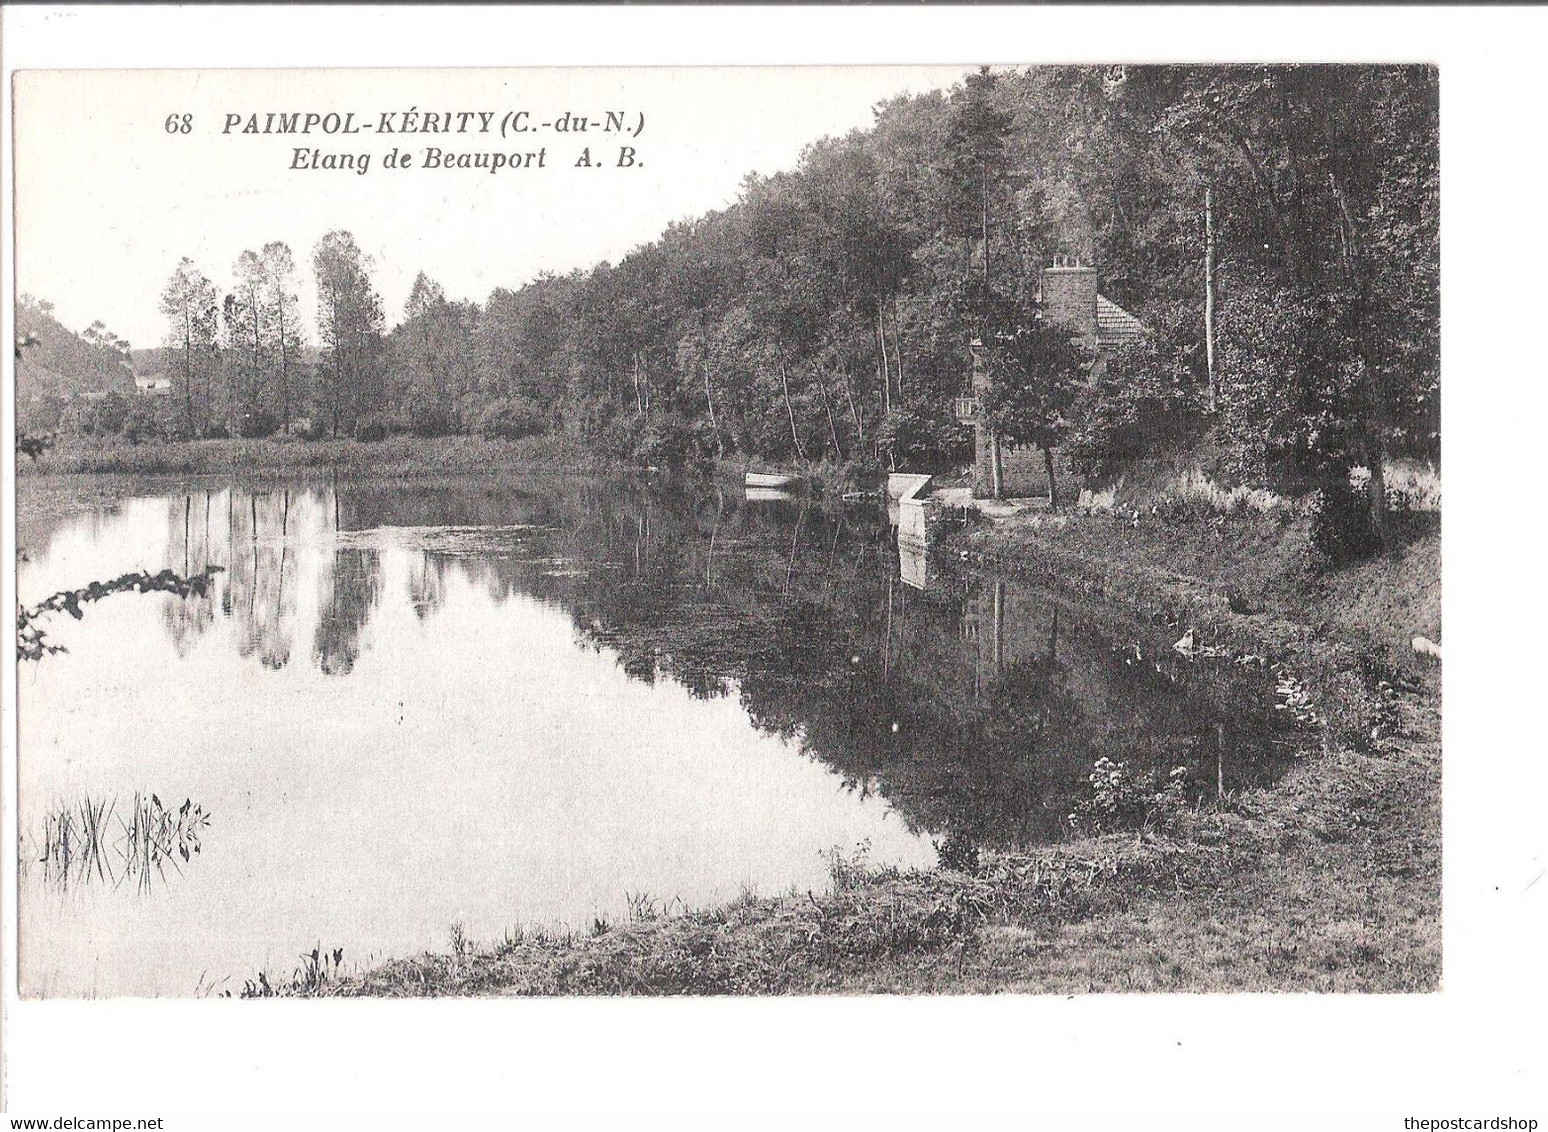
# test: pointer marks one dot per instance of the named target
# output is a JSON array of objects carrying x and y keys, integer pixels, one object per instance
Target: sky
[{"x": 111, "y": 191}]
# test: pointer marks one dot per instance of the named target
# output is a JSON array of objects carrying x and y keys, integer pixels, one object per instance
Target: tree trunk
[
  {"x": 709, "y": 399},
  {"x": 1053, "y": 483},
  {"x": 881, "y": 345},
  {"x": 897, "y": 345},
  {"x": 188, "y": 369},
  {"x": 838, "y": 451},
  {"x": 1209, "y": 298},
  {"x": 1370, "y": 409},
  {"x": 284, "y": 350},
  {"x": 849, "y": 395},
  {"x": 253, "y": 301},
  {"x": 790, "y": 409},
  {"x": 1376, "y": 486}
]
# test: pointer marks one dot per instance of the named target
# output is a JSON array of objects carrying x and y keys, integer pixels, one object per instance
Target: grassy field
[
  {"x": 398, "y": 455},
  {"x": 82, "y": 475},
  {"x": 1327, "y": 881}
]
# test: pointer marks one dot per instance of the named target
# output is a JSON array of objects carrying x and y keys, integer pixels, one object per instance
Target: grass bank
[
  {"x": 1329, "y": 880},
  {"x": 1247, "y": 584},
  {"x": 398, "y": 455}
]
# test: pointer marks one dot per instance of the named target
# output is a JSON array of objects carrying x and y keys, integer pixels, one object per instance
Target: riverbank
[
  {"x": 396, "y": 455},
  {"x": 1329, "y": 880},
  {"x": 1248, "y": 584}
]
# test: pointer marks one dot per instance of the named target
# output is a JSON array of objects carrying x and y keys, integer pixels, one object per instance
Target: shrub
[
  {"x": 140, "y": 423},
  {"x": 1341, "y": 524},
  {"x": 174, "y": 426},
  {"x": 309, "y": 428},
  {"x": 671, "y": 440},
  {"x": 33, "y": 446},
  {"x": 860, "y": 473},
  {"x": 104, "y": 417},
  {"x": 1145, "y": 399},
  {"x": 41, "y": 414},
  {"x": 511, "y": 418},
  {"x": 371, "y": 428},
  {"x": 957, "y": 852},
  {"x": 922, "y": 436},
  {"x": 426, "y": 419},
  {"x": 256, "y": 423},
  {"x": 1122, "y": 799}
]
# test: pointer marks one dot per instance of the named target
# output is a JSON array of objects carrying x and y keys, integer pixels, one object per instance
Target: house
[
  {"x": 1069, "y": 298},
  {"x": 152, "y": 385}
]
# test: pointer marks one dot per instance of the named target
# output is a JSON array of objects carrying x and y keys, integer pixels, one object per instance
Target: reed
[
  {"x": 77, "y": 847},
  {"x": 73, "y": 843},
  {"x": 155, "y": 836},
  {"x": 319, "y": 969}
]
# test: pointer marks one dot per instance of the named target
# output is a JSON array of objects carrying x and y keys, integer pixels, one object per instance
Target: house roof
[{"x": 1116, "y": 327}]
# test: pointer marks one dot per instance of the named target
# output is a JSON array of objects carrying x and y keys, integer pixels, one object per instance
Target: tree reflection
[
  {"x": 977, "y": 711},
  {"x": 258, "y": 596},
  {"x": 427, "y": 584},
  {"x": 349, "y": 593},
  {"x": 189, "y": 618},
  {"x": 976, "y": 707}
]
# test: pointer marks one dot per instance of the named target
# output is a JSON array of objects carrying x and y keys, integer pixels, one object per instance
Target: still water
[{"x": 411, "y": 704}]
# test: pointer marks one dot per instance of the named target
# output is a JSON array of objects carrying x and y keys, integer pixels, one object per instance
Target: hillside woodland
[{"x": 825, "y": 315}]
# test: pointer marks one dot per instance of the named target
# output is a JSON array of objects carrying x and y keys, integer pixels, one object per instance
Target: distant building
[
  {"x": 1069, "y": 298},
  {"x": 152, "y": 385}
]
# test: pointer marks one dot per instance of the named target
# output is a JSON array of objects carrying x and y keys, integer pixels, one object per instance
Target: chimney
[{"x": 1069, "y": 298}]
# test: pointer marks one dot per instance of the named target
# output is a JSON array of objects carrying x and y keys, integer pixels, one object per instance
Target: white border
[{"x": 1476, "y": 1049}]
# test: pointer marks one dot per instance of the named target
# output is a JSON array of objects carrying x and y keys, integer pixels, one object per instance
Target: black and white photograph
[
  {"x": 866, "y": 532},
  {"x": 1015, "y": 524}
]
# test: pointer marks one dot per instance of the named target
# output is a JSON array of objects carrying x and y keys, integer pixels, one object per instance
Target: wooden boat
[
  {"x": 784, "y": 480},
  {"x": 770, "y": 495}
]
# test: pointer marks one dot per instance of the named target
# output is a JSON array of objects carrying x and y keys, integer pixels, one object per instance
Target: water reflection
[
  {"x": 964, "y": 701},
  {"x": 493, "y": 699}
]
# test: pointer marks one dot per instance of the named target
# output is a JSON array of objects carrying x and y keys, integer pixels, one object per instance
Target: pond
[{"x": 490, "y": 702}]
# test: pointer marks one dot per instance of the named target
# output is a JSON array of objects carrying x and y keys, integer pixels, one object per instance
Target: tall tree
[
  {"x": 250, "y": 339},
  {"x": 281, "y": 309},
  {"x": 190, "y": 305},
  {"x": 975, "y": 164},
  {"x": 349, "y": 324},
  {"x": 424, "y": 349}
]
